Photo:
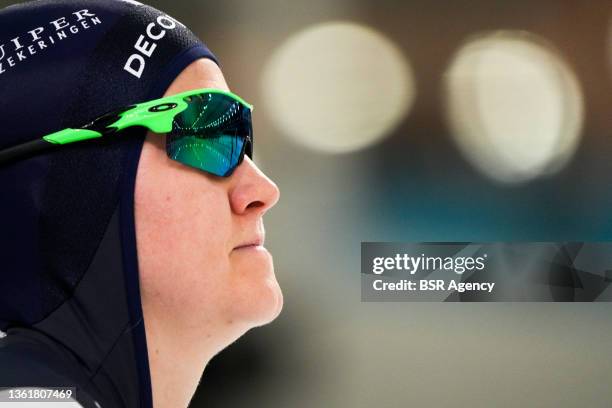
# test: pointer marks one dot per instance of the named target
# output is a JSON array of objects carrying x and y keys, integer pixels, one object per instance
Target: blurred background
[{"x": 382, "y": 120}]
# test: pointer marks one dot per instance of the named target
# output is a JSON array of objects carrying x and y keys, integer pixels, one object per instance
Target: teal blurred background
[{"x": 382, "y": 120}]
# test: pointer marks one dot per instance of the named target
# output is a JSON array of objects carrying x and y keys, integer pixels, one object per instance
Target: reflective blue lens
[{"x": 211, "y": 133}]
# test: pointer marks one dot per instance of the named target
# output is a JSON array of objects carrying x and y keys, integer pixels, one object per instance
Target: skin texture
[{"x": 199, "y": 293}]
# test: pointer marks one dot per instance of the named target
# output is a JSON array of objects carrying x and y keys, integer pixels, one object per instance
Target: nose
[{"x": 251, "y": 189}]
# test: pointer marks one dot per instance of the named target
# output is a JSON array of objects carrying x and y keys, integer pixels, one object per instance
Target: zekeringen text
[{"x": 38, "y": 39}]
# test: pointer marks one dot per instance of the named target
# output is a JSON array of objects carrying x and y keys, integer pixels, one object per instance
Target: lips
[{"x": 255, "y": 242}]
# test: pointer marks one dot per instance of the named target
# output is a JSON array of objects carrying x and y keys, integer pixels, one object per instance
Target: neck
[{"x": 176, "y": 364}]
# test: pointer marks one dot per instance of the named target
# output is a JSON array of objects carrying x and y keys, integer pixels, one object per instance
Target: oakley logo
[
  {"x": 38, "y": 39},
  {"x": 163, "y": 107},
  {"x": 145, "y": 46}
]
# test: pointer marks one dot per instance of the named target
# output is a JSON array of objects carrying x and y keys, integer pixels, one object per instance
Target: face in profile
[{"x": 203, "y": 267}]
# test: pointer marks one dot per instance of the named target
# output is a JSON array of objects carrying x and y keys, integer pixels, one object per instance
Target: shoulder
[{"x": 23, "y": 370}]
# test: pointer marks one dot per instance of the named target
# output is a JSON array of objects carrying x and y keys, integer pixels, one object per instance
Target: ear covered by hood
[{"x": 70, "y": 302}]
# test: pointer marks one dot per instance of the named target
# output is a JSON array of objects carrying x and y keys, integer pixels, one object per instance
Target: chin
[
  {"x": 257, "y": 302},
  {"x": 275, "y": 305},
  {"x": 266, "y": 305},
  {"x": 257, "y": 296}
]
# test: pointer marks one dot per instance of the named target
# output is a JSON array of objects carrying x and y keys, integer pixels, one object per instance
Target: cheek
[{"x": 182, "y": 230}]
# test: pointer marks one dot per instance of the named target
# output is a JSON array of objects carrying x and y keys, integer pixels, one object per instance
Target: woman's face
[{"x": 191, "y": 232}]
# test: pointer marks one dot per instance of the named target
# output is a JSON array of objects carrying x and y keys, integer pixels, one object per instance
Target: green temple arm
[{"x": 71, "y": 135}]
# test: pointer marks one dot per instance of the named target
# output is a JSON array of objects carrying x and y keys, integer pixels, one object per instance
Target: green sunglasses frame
[{"x": 156, "y": 115}]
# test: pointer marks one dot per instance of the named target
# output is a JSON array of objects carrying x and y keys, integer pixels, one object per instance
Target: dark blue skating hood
[{"x": 70, "y": 300}]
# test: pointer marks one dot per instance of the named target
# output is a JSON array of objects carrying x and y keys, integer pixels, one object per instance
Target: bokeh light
[
  {"x": 514, "y": 106},
  {"x": 337, "y": 87}
]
